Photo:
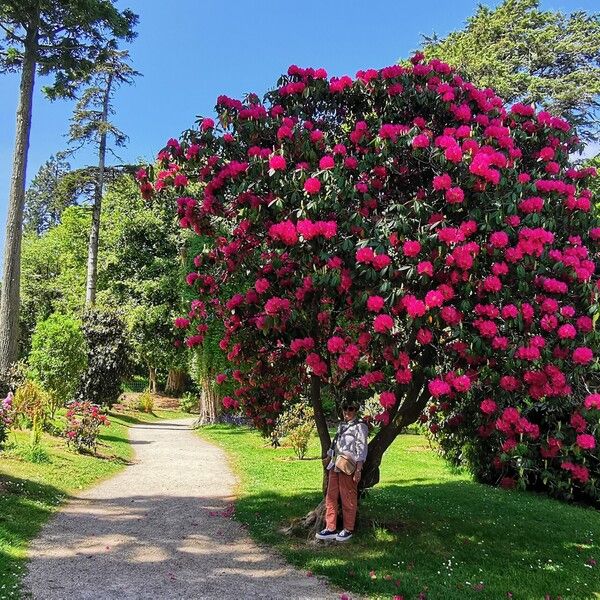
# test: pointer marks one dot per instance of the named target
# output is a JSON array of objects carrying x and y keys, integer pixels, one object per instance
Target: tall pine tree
[{"x": 63, "y": 38}]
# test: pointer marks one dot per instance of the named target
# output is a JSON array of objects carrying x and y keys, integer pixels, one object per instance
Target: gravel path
[{"x": 161, "y": 529}]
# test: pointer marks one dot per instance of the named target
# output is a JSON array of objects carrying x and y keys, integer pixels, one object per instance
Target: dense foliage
[
  {"x": 57, "y": 357},
  {"x": 404, "y": 234},
  {"x": 108, "y": 358}
]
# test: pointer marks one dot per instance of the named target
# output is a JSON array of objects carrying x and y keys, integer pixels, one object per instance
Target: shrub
[
  {"x": 6, "y": 418},
  {"x": 296, "y": 425},
  {"x": 84, "y": 420},
  {"x": 189, "y": 402},
  {"x": 108, "y": 358},
  {"x": 146, "y": 402},
  {"x": 402, "y": 233},
  {"x": 57, "y": 358},
  {"x": 32, "y": 407}
]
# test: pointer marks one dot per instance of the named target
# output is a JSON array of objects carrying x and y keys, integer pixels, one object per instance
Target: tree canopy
[{"x": 404, "y": 235}]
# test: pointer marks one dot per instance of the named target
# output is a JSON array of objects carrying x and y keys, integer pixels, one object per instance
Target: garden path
[{"x": 162, "y": 528}]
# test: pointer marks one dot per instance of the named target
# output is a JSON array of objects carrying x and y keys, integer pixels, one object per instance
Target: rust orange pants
[{"x": 340, "y": 484}]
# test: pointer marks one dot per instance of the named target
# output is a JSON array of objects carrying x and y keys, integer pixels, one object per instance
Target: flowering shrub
[
  {"x": 6, "y": 418},
  {"x": 404, "y": 234},
  {"x": 84, "y": 420}
]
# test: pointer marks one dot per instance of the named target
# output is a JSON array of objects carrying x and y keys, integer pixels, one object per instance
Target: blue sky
[{"x": 190, "y": 51}]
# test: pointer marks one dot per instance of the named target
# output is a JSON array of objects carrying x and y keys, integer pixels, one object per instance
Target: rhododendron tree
[{"x": 403, "y": 234}]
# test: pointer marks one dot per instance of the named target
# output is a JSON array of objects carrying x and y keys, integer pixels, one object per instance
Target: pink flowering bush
[
  {"x": 6, "y": 417},
  {"x": 84, "y": 420},
  {"x": 404, "y": 234}
]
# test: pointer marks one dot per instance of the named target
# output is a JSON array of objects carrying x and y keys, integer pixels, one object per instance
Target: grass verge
[
  {"x": 424, "y": 531},
  {"x": 31, "y": 491}
]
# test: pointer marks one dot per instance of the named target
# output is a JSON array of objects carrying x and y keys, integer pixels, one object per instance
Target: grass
[
  {"x": 424, "y": 531},
  {"x": 31, "y": 491}
]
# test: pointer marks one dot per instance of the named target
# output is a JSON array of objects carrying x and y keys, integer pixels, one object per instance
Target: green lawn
[
  {"x": 30, "y": 492},
  {"x": 423, "y": 529}
]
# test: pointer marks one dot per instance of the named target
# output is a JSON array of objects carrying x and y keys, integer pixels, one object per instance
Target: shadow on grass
[
  {"x": 454, "y": 539},
  {"x": 24, "y": 507},
  {"x": 114, "y": 438},
  {"x": 125, "y": 419}
]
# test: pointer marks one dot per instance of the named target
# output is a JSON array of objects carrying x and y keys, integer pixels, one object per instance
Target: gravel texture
[{"x": 162, "y": 528}]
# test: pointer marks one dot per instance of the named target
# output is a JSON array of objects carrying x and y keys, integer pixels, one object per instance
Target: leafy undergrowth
[
  {"x": 31, "y": 491},
  {"x": 424, "y": 531}
]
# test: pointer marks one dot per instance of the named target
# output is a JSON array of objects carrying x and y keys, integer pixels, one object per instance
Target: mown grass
[
  {"x": 424, "y": 531},
  {"x": 31, "y": 491}
]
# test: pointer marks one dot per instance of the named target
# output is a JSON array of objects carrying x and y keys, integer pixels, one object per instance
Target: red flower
[
  {"x": 277, "y": 163},
  {"x": 586, "y": 441},
  {"x": 312, "y": 186},
  {"x": 383, "y": 323},
  {"x": 488, "y": 406},
  {"x": 582, "y": 355}
]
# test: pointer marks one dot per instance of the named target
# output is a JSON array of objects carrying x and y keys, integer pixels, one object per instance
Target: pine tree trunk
[
  {"x": 92, "y": 266},
  {"x": 175, "y": 381},
  {"x": 11, "y": 276}
]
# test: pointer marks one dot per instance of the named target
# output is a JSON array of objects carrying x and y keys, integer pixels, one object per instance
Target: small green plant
[
  {"x": 146, "y": 402},
  {"x": 296, "y": 425},
  {"x": 188, "y": 402},
  {"x": 34, "y": 453}
]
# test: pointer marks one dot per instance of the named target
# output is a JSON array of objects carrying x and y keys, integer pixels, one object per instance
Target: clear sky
[{"x": 190, "y": 51}]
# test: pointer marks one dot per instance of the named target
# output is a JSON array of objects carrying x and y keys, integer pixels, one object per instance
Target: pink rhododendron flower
[
  {"x": 592, "y": 401},
  {"x": 365, "y": 255},
  {"x": 424, "y": 336},
  {"x": 380, "y": 261},
  {"x": 488, "y": 406},
  {"x": 411, "y": 248},
  {"x": 586, "y": 441},
  {"x": 462, "y": 383},
  {"x": 420, "y": 141},
  {"x": 261, "y": 285},
  {"x": 433, "y": 299},
  {"x": 499, "y": 239},
  {"x": 312, "y": 186},
  {"x": 425, "y": 268},
  {"x": 326, "y": 162},
  {"x": 438, "y": 387},
  {"x": 582, "y": 355},
  {"x": 455, "y": 195},
  {"x": 383, "y": 323},
  {"x": 278, "y": 163},
  {"x": 375, "y": 303},
  {"x": 387, "y": 399}
]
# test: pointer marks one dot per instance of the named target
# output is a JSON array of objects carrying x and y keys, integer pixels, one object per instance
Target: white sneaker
[
  {"x": 325, "y": 534},
  {"x": 343, "y": 536}
]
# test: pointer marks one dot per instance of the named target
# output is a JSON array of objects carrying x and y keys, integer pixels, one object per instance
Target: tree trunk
[
  {"x": 209, "y": 405},
  {"x": 92, "y": 266},
  {"x": 152, "y": 379},
  {"x": 11, "y": 277},
  {"x": 320, "y": 421},
  {"x": 175, "y": 381}
]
